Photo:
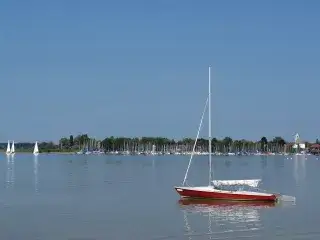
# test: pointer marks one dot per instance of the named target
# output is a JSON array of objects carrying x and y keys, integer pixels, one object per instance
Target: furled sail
[{"x": 249, "y": 182}]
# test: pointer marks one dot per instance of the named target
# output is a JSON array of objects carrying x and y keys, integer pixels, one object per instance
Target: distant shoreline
[{"x": 83, "y": 144}]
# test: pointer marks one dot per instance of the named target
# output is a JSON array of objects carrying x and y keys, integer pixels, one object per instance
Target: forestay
[{"x": 248, "y": 182}]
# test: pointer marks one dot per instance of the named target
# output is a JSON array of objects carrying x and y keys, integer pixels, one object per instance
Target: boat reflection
[
  {"x": 225, "y": 218},
  {"x": 35, "y": 172},
  {"x": 227, "y": 210},
  {"x": 264, "y": 161},
  {"x": 10, "y": 171},
  {"x": 299, "y": 166},
  {"x": 224, "y": 203}
]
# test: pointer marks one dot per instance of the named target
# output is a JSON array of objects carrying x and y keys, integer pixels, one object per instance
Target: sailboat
[
  {"x": 12, "y": 151},
  {"x": 36, "y": 149},
  {"x": 8, "y": 149},
  {"x": 215, "y": 189}
]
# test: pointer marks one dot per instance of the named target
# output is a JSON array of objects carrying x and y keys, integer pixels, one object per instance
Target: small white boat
[
  {"x": 8, "y": 152},
  {"x": 36, "y": 149},
  {"x": 12, "y": 151}
]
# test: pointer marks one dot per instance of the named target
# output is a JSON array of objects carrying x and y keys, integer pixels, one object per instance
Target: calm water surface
[{"x": 125, "y": 197}]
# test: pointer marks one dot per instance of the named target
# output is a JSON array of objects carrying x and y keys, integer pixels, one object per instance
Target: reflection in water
[
  {"x": 10, "y": 171},
  {"x": 35, "y": 172},
  {"x": 279, "y": 163},
  {"x": 78, "y": 173},
  {"x": 153, "y": 162},
  {"x": 227, "y": 163},
  {"x": 85, "y": 163},
  {"x": 226, "y": 216},
  {"x": 264, "y": 161},
  {"x": 84, "y": 176},
  {"x": 186, "y": 223},
  {"x": 244, "y": 162},
  {"x": 299, "y": 165},
  {"x": 117, "y": 161},
  {"x": 154, "y": 171},
  {"x": 70, "y": 180}
]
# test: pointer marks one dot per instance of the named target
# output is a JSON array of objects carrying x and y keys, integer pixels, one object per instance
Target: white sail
[
  {"x": 12, "y": 148},
  {"x": 8, "y": 148},
  {"x": 36, "y": 149},
  {"x": 249, "y": 182}
]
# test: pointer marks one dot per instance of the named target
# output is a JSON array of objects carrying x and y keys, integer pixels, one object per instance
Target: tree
[
  {"x": 227, "y": 142},
  {"x": 64, "y": 143},
  {"x": 264, "y": 144},
  {"x": 71, "y": 142},
  {"x": 279, "y": 140}
]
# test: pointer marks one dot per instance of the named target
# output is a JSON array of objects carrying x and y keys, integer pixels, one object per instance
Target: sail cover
[{"x": 249, "y": 182}]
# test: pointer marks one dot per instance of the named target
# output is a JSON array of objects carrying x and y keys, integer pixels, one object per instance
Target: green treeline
[{"x": 72, "y": 144}]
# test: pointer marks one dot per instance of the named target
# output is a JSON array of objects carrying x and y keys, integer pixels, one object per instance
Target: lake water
[{"x": 132, "y": 197}]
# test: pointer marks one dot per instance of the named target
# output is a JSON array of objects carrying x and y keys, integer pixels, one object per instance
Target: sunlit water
[{"x": 125, "y": 197}]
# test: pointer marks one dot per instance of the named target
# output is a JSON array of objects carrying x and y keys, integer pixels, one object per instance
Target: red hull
[{"x": 189, "y": 193}]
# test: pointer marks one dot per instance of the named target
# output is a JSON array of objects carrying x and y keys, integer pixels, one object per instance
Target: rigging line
[{"x": 195, "y": 143}]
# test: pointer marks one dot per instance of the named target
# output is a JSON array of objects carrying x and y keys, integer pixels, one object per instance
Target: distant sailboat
[
  {"x": 8, "y": 148},
  {"x": 12, "y": 151},
  {"x": 36, "y": 149}
]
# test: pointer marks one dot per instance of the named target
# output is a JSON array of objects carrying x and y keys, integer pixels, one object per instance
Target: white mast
[
  {"x": 210, "y": 168},
  {"x": 208, "y": 102}
]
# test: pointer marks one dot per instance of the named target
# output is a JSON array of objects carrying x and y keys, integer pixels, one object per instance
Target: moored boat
[
  {"x": 220, "y": 189},
  {"x": 211, "y": 192}
]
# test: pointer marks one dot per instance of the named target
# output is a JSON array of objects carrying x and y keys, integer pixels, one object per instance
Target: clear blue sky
[{"x": 136, "y": 68}]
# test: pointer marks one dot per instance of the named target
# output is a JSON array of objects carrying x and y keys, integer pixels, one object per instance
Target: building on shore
[{"x": 315, "y": 149}]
